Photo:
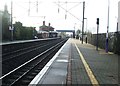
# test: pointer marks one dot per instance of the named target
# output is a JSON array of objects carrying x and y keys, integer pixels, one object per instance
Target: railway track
[
  {"x": 15, "y": 59},
  {"x": 24, "y": 73},
  {"x": 5, "y": 53},
  {"x": 22, "y": 46}
]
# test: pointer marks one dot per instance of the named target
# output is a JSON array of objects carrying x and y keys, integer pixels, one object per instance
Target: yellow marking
[{"x": 88, "y": 70}]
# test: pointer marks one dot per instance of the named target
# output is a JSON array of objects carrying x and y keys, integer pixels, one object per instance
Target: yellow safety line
[{"x": 88, "y": 70}]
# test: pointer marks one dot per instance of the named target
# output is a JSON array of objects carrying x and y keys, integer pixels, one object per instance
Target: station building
[{"x": 46, "y": 31}]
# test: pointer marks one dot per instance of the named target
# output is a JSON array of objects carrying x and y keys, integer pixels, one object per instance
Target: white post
[
  {"x": 11, "y": 20},
  {"x": 119, "y": 16},
  {"x": 107, "y": 27}
]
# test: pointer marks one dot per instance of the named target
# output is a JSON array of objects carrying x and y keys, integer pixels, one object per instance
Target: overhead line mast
[{"x": 83, "y": 20}]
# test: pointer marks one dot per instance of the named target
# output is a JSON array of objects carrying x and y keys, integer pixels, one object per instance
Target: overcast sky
[{"x": 93, "y": 9}]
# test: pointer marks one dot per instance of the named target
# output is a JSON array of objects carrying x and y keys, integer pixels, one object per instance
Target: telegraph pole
[{"x": 83, "y": 20}]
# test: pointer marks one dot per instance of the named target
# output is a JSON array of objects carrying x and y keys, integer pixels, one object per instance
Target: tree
[
  {"x": 78, "y": 32},
  {"x": 23, "y": 32},
  {"x": 17, "y": 30}
]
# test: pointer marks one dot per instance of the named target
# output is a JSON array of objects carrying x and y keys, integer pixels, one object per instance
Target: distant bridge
[
  {"x": 65, "y": 31},
  {"x": 73, "y": 31}
]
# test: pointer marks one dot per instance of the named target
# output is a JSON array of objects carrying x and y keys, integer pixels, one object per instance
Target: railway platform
[{"x": 80, "y": 64}]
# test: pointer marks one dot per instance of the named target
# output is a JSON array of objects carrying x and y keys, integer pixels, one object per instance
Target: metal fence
[{"x": 113, "y": 41}]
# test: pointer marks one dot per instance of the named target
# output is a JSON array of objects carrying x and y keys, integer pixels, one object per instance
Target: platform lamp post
[
  {"x": 86, "y": 24},
  {"x": 86, "y": 31},
  {"x": 117, "y": 26},
  {"x": 74, "y": 30},
  {"x": 106, "y": 48}
]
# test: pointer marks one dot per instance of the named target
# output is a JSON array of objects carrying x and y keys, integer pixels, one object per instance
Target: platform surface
[
  {"x": 80, "y": 64},
  {"x": 55, "y": 71}
]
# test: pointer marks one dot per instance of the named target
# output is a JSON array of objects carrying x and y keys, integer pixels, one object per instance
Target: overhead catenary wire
[
  {"x": 73, "y": 7},
  {"x": 68, "y": 12},
  {"x": 58, "y": 7},
  {"x": 37, "y": 6},
  {"x": 29, "y": 8}
]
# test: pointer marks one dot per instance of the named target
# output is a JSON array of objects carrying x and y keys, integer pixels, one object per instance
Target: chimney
[
  {"x": 49, "y": 24},
  {"x": 43, "y": 22}
]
